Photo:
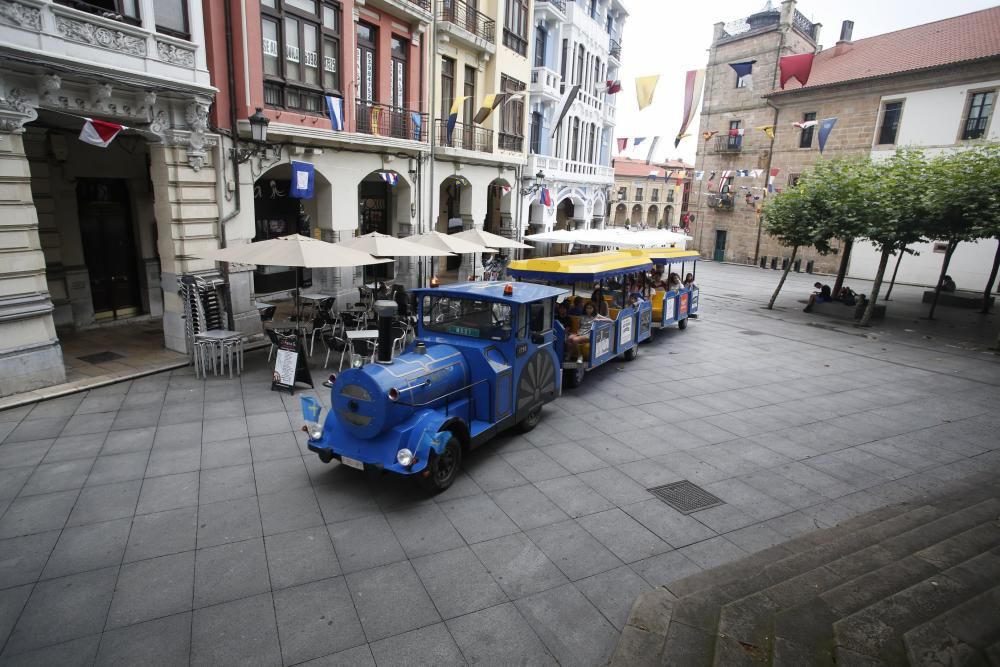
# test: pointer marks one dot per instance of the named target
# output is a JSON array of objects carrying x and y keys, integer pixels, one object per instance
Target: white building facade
[
  {"x": 936, "y": 119},
  {"x": 92, "y": 235},
  {"x": 575, "y": 42}
]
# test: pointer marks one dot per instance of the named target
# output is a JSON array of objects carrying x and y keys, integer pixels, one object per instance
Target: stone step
[
  {"x": 877, "y": 630},
  {"x": 694, "y": 622},
  {"x": 960, "y": 636},
  {"x": 852, "y": 594}
]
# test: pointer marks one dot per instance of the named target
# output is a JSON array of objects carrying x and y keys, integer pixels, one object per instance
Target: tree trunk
[
  {"x": 944, "y": 271},
  {"x": 781, "y": 283},
  {"x": 993, "y": 277},
  {"x": 892, "y": 283},
  {"x": 845, "y": 259},
  {"x": 870, "y": 310}
]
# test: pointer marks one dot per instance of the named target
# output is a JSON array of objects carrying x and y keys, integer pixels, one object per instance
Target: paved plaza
[{"x": 170, "y": 520}]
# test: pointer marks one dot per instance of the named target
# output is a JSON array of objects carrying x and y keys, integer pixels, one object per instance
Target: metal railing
[
  {"x": 115, "y": 15},
  {"x": 459, "y": 13},
  {"x": 558, "y": 4},
  {"x": 383, "y": 120},
  {"x": 515, "y": 42},
  {"x": 465, "y": 136},
  {"x": 728, "y": 144},
  {"x": 804, "y": 25},
  {"x": 510, "y": 142},
  {"x": 614, "y": 48},
  {"x": 423, "y": 4}
]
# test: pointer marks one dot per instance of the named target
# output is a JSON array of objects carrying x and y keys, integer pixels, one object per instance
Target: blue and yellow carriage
[
  {"x": 675, "y": 306},
  {"x": 485, "y": 358},
  {"x": 628, "y": 326}
]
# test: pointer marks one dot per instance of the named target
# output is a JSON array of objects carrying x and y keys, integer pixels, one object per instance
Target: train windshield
[{"x": 471, "y": 318}]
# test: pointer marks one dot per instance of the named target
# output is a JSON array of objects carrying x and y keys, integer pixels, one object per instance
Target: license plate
[{"x": 353, "y": 463}]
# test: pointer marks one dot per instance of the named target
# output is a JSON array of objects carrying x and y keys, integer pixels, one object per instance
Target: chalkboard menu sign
[{"x": 290, "y": 365}]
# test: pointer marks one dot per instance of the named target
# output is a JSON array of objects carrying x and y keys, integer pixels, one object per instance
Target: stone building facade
[
  {"x": 90, "y": 235},
  {"x": 726, "y": 227},
  {"x": 649, "y": 194}
]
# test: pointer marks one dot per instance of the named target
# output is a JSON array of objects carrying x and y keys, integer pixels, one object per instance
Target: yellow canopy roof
[
  {"x": 589, "y": 266},
  {"x": 659, "y": 255}
]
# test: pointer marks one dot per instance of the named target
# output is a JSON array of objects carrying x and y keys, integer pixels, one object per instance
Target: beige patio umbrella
[
  {"x": 383, "y": 245},
  {"x": 295, "y": 250},
  {"x": 493, "y": 240},
  {"x": 452, "y": 243},
  {"x": 487, "y": 239}
]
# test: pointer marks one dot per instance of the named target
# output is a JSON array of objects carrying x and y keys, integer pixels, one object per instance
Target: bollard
[
  {"x": 798, "y": 266},
  {"x": 784, "y": 263},
  {"x": 763, "y": 262},
  {"x": 809, "y": 265},
  {"x": 774, "y": 262}
]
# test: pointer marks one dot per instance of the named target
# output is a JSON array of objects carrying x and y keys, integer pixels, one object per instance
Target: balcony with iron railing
[
  {"x": 382, "y": 120},
  {"x": 571, "y": 170},
  {"x": 467, "y": 24},
  {"x": 729, "y": 144},
  {"x": 557, "y": 7},
  {"x": 510, "y": 142},
  {"x": 614, "y": 49},
  {"x": 464, "y": 136},
  {"x": 418, "y": 11}
]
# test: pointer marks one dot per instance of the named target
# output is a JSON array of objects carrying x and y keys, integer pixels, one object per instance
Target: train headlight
[
  {"x": 314, "y": 430},
  {"x": 405, "y": 458},
  {"x": 358, "y": 362}
]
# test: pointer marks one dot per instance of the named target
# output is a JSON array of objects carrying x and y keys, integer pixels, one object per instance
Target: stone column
[{"x": 30, "y": 354}]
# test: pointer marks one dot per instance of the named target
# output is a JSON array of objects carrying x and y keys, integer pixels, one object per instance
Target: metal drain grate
[
  {"x": 101, "y": 357},
  {"x": 750, "y": 332},
  {"x": 685, "y": 497}
]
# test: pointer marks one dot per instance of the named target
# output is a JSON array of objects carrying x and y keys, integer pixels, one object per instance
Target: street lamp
[
  {"x": 259, "y": 147},
  {"x": 533, "y": 184}
]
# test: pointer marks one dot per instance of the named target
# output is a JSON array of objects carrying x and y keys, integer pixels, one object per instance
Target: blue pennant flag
[
  {"x": 311, "y": 409},
  {"x": 744, "y": 71},
  {"x": 825, "y": 128},
  {"x": 418, "y": 123},
  {"x": 335, "y": 110},
  {"x": 303, "y": 179}
]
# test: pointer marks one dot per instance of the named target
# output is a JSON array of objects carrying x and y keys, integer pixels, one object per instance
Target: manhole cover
[
  {"x": 685, "y": 497},
  {"x": 101, "y": 357},
  {"x": 749, "y": 332}
]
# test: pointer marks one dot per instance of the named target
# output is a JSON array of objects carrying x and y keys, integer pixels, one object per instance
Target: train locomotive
[{"x": 486, "y": 357}]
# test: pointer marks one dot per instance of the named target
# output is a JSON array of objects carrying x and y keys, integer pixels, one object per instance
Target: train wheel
[
  {"x": 531, "y": 421},
  {"x": 682, "y": 324},
  {"x": 573, "y": 377},
  {"x": 632, "y": 353},
  {"x": 443, "y": 468}
]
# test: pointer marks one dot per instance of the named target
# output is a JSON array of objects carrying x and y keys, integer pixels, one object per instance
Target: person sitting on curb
[
  {"x": 820, "y": 296},
  {"x": 948, "y": 285}
]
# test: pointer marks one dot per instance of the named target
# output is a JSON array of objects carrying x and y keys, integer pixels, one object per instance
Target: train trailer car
[
  {"x": 675, "y": 306},
  {"x": 485, "y": 358},
  {"x": 625, "y": 327}
]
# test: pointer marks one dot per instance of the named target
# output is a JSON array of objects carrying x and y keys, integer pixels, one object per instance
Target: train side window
[{"x": 541, "y": 316}]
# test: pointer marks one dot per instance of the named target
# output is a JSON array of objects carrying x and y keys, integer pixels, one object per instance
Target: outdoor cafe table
[{"x": 225, "y": 343}]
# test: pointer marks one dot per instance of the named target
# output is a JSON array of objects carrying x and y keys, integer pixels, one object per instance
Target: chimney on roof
[{"x": 846, "y": 32}]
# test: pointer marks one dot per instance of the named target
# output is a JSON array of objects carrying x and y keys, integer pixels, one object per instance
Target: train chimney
[
  {"x": 386, "y": 311},
  {"x": 846, "y": 31}
]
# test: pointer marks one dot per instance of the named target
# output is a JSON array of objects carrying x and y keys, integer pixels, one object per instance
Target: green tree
[
  {"x": 960, "y": 199},
  {"x": 981, "y": 201},
  {"x": 799, "y": 217},
  {"x": 897, "y": 209}
]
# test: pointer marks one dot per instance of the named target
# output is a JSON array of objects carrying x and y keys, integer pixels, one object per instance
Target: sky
[{"x": 668, "y": 37}]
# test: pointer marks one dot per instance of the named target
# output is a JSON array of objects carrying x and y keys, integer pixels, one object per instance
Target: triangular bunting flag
[
  {"x": 645, "y": 86},
  {"x": 335, "y": 111},
  {"x": 825, "y": 128},
  {"x": 767, "y": 129},
  {"x": 490, "y": 102},
  {"x": 744, "y": 71},
  {"x": 456, "y": 108},
  {"x": 622, "y": 144},
  {"x": 99, "y": 133},
  {"x": 708, "y": 135},
  {"x": 797, "y": 67},
  {"x": 694, "y": 84},
  {"x": 614, "y": 87}
]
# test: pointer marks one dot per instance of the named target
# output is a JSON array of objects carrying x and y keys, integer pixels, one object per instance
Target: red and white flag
[{"x": 99, "y": 133}]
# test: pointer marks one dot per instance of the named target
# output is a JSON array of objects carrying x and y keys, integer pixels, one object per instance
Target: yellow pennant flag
[
  {"x": 645, "y": 86},
  {"x": 456, "y": 106},
  {"x": 767, "y": 129}
]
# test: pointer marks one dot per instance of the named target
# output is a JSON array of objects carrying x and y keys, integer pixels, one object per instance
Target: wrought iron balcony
[
  {"x": 615, "y": 49},
  {"x": 423, "y": 4},
  {"x": 462, "y": 15},
  {"x": 510, "y": 142},
  {"x": 464, "y": 136},
  {"x": 383, "y": 120},
  {"x": 556, "y": 4},
  {"x": 729, "y": 144},
  {"x": 721, "y": 202}
]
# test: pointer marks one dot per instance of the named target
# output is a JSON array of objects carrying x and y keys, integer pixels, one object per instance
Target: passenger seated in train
[
  {"x": 576, "y": 341},
  {"x": 577, "y": 307},
  {"x": 600, "y": 303},
  {"x": 562, "y": 315},
  {"x": 689, "y": 281},
  {"x": 674, "y": 283}
]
